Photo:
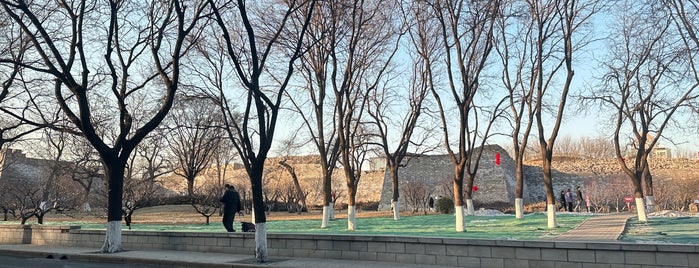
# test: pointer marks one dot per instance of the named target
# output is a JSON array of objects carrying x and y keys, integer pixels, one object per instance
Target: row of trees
[{"x": 383, "y": 77}]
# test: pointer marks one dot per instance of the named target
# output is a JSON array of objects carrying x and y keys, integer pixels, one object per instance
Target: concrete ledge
[{"x": 412, "y": 250}]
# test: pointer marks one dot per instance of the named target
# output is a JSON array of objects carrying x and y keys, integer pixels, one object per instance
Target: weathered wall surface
[{"x": 496, "y": 183}]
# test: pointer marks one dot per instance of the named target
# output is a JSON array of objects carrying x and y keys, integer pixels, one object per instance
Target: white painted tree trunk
[
  {"x": 460, "y": 221},
  {"x": 261, "y": 242},
  {"x": 112, "y": 241},
  {"x": 641, "y": 211},
  {"x": 650, "y": 203},
  {"x": 469, "y": 206},
  {"x": 332, "y": 211},
  {"x": 351, "y": 218},
  {"x": 519, "y": 208},
  {"x": 86, "y": 207},
  {"x": 326, "y": 217},
  {"x": 551, "y": 215},
  {"x": 396, "y": 210},
  {"x": 252, "y": 214}
]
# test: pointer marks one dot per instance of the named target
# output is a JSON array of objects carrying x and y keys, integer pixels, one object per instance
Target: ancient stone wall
[{"x": 496, "y": 183}]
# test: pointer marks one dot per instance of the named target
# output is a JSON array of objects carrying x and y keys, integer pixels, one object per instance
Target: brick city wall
[{"x": 411, "y": 250}]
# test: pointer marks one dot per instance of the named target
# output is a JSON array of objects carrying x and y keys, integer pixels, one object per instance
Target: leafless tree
[
  {"x": 466, "y": 35},
  {"x": 640, "y": 85},
  {"x": 314, "y": 100},
  {"x": 109, "y": 55},
  {"x": 416, "y": 194},
  {"x": 205, "y": 199},
  {"x": 194, "y": 135},
  {"x": 253, "y": 35},
  {"x": 560, "y": 34},
  {"x": 386, "y": 107}
]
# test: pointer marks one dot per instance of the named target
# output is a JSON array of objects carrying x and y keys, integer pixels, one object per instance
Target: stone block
[
  {"x": 674, "y": 259},
  {"x": 465, "y": 261},
  {"x": 594, "y": 265},
  {"x": 415, "y": 248},
  {"x": 405, "y": 258},
  {"x": 293, "y": 243},
  {"x": 608, "y": 256},
  {"x": 636, "y": 257},
  {"x": 341, "y": 245},
  {"x": 567, "y": 264},
  {"x": 503, "y": 252},
  {"x": 361, "y": 246},
  {"x": 492, "y": 263},
  {"x": 542, "y": 264},
  {"x": 387, "y": 257},
  {"x": 447, "y": 261},
  {"x": 376, "y": 246},
  {"x": 324, "y": 244},
  {"x": 333, "y": 254},
  {"x": 693, "y": 259},
  {"x": 576, "y": 255},
  {"x": 528, "y": 253},
  {"x": 435, "y": 249},
  {"x": 368, "y": 256},
  {"x": 457, "y": 250},
  {"x": 479, "y": 251},
  {"x": 393, "y": 247},
  {"x": 516, "y": 263},
  {"x": 553, "y": 254},
  {"x": 350, "y": 255},
  {"x": 426, "y": 259},
  {"x": 308, "y": 244}
]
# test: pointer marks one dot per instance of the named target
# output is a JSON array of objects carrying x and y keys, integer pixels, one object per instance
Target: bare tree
[
  {"x": 361, "y": 60},
  {"x": 194, "y": 136},
  {"x": 252, "y": 35},
  {"x": 640, "y": 85},
  {"x": 386, "y": 106},
  {"x": 560, "y": 26},
  {"x": 466, "y": 36},
  {"x": 99, "y": 55},
  {"x": 317, "y": 110},
  {"x": 205, "y": 200}
]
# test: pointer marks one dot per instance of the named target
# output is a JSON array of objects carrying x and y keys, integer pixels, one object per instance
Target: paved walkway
[{"x": 602, "y": 228}]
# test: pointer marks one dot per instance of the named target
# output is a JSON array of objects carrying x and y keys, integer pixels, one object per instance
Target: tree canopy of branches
[
  {"x": 123, "y": 57},
  {"x": 254, "y": 35}
]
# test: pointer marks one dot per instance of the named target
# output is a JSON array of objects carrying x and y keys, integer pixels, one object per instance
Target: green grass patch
[
  {"x": 532, "y": 227},
  {"x": 679, "y": 230}
]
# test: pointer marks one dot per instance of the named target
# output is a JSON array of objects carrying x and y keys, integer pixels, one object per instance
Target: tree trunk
[
  {"x": 259, "y": 211},
  {"x": 207, "y": 220},
  {"x": 393, "y": 171},
  {"x": 638, "y": 194},
  {"x": 115, "y": 183},
  {"x": 648, "y": 182},
  {"x": 548, "y": 187},
  {"x": 519, "y": 188},
  {"x": 190, "y": 187},
  {"x": 40, "y": 218},
  {"x": 351, "y": 218},
  {"x": 327, "y": 198},
  {"x": 458, "y": 199}
]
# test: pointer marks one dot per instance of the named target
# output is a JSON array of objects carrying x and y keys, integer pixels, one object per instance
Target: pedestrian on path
[
  {"x": 578, "y": 199},
  {"x": 569, "y": 200},
  {"x": 563, "y": 200},
  {"x": 231, "y": 206}
]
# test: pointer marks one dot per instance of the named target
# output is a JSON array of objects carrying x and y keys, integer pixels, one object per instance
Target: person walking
[
  {"x": 563, "y": 200},
  {"x": 569, "y": 200},
  {"x": 231, "y": 206},
  {"x": 579, "y": 199}
]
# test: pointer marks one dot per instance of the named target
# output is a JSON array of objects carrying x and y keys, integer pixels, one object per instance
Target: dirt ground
[{"x": 185, "y": 214}]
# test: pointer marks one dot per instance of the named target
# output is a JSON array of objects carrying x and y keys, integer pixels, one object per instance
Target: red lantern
[
  {"x": 497, "y": 159},
  {"x": 474, "y": 188}
]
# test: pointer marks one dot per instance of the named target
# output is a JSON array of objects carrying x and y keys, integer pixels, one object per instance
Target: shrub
[
  {"x": 445, "y": 205},
  {"x": 369, "y": 205}
]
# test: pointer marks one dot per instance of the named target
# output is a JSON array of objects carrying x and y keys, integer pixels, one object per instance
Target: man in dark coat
[{"x": 231, "y": 206}]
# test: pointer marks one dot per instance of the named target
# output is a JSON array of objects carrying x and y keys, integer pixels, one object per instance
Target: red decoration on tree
[
  {"x": 497, "y": 159},
  {"x": 623, "y": 159},
  {"x": 474, "y": 188}
]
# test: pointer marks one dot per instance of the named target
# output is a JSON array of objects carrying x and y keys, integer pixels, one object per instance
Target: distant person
[
  {"x": 231, "y": 206},
  {"x": 569, "y": 200},
  {"x": 563, "y": 200},
  {"x": 588, "y": 203},
  {"x": 430, "y": 204},
  {"x": 579, "y": 199}
]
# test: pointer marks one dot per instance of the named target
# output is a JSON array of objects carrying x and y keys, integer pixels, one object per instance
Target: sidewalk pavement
[{"x": 601, "y": 228}]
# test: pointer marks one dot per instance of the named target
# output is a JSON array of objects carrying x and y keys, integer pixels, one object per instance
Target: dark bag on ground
[{"x": 247, "y": 226}]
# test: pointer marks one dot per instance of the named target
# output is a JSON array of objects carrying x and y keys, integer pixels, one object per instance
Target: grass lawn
[
  {"x": 532, "y": 227},
  {"x": 663, "y": 230}
]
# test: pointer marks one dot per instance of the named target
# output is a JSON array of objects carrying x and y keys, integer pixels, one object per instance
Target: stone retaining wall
[{"x": 414, "y": 250}]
